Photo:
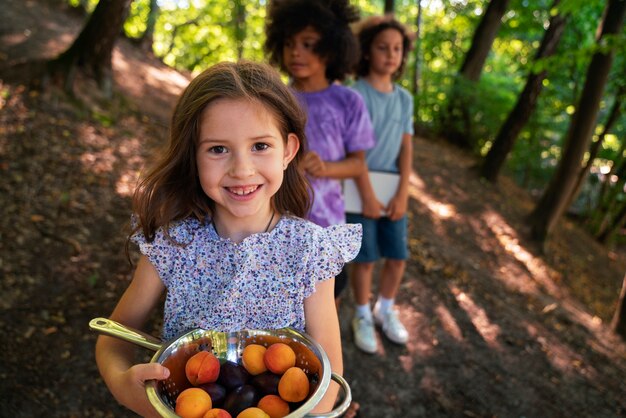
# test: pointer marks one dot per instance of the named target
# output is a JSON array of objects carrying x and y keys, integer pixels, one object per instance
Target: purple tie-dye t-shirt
[{"x": 337, "y": 123}]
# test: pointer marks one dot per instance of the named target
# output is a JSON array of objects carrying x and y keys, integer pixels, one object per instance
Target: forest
[{"x": 516, "y": 284}]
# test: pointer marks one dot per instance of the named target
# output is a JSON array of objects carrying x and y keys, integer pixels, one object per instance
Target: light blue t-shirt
[{"x": 392, "y": 117}]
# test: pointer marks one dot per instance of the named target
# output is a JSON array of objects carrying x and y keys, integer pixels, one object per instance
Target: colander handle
[
  {"x": 345, "y": 403},
  {"x": 115, "y": 329}
]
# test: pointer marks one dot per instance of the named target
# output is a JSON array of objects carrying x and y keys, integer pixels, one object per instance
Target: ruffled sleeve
[
  {"x": 332, "y": 247},
  {"x": 165, "y": 252}
]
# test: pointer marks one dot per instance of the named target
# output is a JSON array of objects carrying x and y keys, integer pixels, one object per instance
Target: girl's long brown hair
[{"x": 171, "y": 190}]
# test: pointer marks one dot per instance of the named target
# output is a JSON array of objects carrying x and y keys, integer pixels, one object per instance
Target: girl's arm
[
  {"x": 371, "y": 206},
  {"x": 115, "y": 358},
  {"x": 322, "y": 324},
  {"x": 399, "y": 203},
  {"x": 351, "y": 166}
]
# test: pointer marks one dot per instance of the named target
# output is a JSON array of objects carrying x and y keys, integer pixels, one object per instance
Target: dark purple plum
[
  {"x": 232, "y": 375},
  {"x": 216, "y": 391},
  {"x": 266, "y": 383},
  {"x": 240, "y": 398}
]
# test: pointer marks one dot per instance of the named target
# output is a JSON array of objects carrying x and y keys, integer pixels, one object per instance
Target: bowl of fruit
[{"x": 246, "y": 374}]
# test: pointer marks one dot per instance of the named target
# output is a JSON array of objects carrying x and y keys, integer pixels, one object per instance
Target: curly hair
[
  {"x": 367, "y": 31},
  {"x": 330, "y": 18}
]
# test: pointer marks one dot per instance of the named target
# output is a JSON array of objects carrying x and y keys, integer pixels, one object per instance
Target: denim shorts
[{"x": 381, "y": 238}]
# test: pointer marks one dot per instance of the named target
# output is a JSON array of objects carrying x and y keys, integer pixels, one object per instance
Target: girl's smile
[{"x": 241, "y": 158}]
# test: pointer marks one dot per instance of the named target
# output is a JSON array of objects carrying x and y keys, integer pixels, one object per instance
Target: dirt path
[{"x": 497, "y": 330}]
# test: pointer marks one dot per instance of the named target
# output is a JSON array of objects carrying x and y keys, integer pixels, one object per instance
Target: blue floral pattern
[{"x": 259, "y": 283}]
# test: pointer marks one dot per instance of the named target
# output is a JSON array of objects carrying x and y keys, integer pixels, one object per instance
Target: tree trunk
[
  {"x": 240, "y": 26},
  {"x": 147, "y": 38},
  {"x": 553, "y": 201},
  {"x": 389, "y": 6},
  {"x": 595, "y": 147},
  {"x": 92, "y": 50},
  {"x": 458, "y": 119},
  {"x": 618, "y": 324},
  {"x": 526, "y": 103},
  {"x": 483, "y": 39}
]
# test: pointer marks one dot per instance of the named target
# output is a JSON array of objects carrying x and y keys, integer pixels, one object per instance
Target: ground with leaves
[{"x": 498, "y": 329}]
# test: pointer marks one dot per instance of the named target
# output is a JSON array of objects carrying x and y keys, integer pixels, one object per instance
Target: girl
[
  {"x": 219, "y": 228},
  {"x": 312, "y": 42},
  {"x": 384, "y": 47}
]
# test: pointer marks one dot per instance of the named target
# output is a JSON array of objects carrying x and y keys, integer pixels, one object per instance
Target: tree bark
[
  {"x": 92, "y": 50},
  {"x": 458, "y": 119},
  {"x": 618, "y": 324},
  {"x": 595, "y": 147},
  {"x": 552, "y": 203},
  {"x": 147, "y": 38},
  {"x": 483, "y": 39},
  {"x": 389, "y": 6},
  {"x": 525, "y": 105},
  {"x": 417, "y": 75}
]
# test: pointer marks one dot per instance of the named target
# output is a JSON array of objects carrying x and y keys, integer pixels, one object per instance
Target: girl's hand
[
  {"x": 313, "y": 164},
  {"x": 397, "y": 207},
  {"x": 372, "y": 208},
  {"x": 129, "y": 387}
]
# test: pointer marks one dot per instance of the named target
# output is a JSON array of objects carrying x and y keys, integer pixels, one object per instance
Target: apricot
[
  {"x": 217, "y": 413},
  {"x": 253, "y": 413},
  {"x": 274, "y": 406},
  {"x": 293, "y": 385},
  {"x": 202, "y": 367},
  {"x": 252, "y": 359},
  {"x": 279, "y": 357},
  {"x": 192, "y": 403}
]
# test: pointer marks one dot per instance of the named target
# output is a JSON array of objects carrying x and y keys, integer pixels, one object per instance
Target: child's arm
[
  {"x": 399, "y": 203},
  {"x": 322, "y": 324},
  {"x": 371, "y": 206},
  {"x": 115, "y": 357},
  {"x": 351, "y": 166}
]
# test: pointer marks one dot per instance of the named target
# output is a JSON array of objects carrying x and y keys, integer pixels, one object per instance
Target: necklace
[{"x": 267, "y": 228}]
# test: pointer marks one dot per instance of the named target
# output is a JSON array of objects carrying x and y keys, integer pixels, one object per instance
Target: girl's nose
[{"x": 242, "y": 166}]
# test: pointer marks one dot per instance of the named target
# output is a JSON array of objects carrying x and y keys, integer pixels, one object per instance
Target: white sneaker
[
  {"x": 392, "y": 327},
  {"x": 364, "y": 334}
]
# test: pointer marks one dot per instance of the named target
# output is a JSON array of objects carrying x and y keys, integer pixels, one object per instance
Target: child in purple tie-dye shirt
[{"x": 312, "y": 42}]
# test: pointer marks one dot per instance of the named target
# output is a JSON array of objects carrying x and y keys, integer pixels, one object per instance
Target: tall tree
[
  {"x": 526, "y": 102},
  {"x": 147, "y": 38},
  {"x": 470, "y": 71},
  {"x": 618, "y": 324},
  {"x": 554, "y": 199},
  {"x": 389, "y": 6},
  {"x": 92, "y": 49},
  {"x": 417, "y": 50}
]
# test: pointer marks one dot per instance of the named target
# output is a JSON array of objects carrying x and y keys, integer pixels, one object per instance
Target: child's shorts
[{"x": 381, "y": 238}]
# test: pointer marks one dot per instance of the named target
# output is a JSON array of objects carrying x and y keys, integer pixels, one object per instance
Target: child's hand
[
  {"x": 397, "y": 207},
  {"x": 313, "y": 164},
  {"x": 129, "y": 387},
  {"x": 372, "y": 208}
]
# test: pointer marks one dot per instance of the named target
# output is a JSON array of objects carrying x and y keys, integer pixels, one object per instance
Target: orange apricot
[
  {"x": 193, "y": 403},
  {"x": 202, "y": 367},
  {"x": 217, "y": 413},
  {"x": 253, "y": 412},
  {"x": 274, "y": 406},
  {"x": 293, "y": 385},
  {"x": 279, "y": 357},
  {"x": 252, "y": 359}
]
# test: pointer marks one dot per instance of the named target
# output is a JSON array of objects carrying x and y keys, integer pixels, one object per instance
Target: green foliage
[{"x": 194, "y": 34}]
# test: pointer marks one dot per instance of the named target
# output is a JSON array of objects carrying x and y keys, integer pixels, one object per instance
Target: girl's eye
[
  {"x": 260, "y": 146},
  {"x": 218, "y": 149}
]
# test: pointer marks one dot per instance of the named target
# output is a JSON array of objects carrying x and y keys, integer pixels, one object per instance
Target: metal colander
[{"x": 227, "y": 346}]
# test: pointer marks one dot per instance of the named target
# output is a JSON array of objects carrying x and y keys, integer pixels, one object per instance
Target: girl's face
[
  {"x": 386, "y": 52},
  {"x": 241, "y": 160},
  {"x": 300, "y": 59}
]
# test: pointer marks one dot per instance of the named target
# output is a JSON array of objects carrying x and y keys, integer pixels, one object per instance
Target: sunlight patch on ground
[
  {"x": 560, "y": 356},
  {"x": 417, "y": 190},
  {"x": 448, "y": 323},
  {"x": 489, "y": 331},
  {"x": 509, "y": 241}
]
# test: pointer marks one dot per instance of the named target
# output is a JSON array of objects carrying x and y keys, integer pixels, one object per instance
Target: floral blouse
[{"x": 259, "y": 283}]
